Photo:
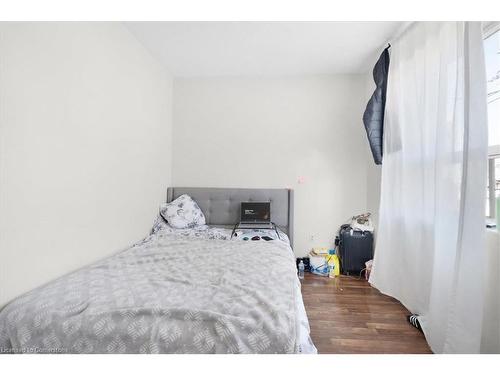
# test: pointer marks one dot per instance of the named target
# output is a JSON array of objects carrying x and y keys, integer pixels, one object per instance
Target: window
[{"x": 492, "y": 59}]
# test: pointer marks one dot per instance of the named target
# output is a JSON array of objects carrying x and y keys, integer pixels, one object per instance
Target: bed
[{"x": 193, "y": 290}]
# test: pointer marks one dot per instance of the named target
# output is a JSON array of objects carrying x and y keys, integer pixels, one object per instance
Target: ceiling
[{"x": 205, "y": 49}]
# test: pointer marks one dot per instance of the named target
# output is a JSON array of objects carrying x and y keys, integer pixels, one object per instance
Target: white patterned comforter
[
  {"x": 217, "y": 233},
  {"x": 167, "y": 294}
]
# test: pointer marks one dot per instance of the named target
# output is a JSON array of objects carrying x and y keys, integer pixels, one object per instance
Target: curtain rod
[
  {"x": 401, "y": 29},
  {"x": 489, "y": 28}
]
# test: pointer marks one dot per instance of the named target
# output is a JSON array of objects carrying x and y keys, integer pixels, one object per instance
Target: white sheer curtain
[{"x": 430, "y": 251}]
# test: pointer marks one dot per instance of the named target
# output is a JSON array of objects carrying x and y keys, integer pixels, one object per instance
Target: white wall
[
  {"x": 85, "y": 147},
  {"x": 267, "y": 133}
]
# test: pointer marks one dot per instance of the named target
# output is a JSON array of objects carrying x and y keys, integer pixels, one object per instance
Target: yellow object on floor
[{"x": 335, "y": 262}]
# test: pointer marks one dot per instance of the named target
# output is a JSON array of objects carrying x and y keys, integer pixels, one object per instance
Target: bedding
[
  {"x": 159, "y": 224},
  {"x": 220, "y": 233},
  {"x": 174, "y": 292},
  {"x": 182, "y": 213}
]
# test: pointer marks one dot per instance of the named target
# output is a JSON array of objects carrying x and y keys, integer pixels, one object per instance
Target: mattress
[{"x": 188, "y": 291}]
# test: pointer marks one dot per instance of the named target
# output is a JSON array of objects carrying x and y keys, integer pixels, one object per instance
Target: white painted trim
[
  {"x": 494, "y": 151},
  {"x": 490, "y": 28},
  {"x": 491, "y": 189}
]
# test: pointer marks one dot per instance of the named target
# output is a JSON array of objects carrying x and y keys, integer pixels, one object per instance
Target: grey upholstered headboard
[{"x": 221, "y": 206}]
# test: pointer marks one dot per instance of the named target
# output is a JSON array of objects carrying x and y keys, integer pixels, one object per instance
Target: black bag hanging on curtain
[{"x": 373, "y": 118}]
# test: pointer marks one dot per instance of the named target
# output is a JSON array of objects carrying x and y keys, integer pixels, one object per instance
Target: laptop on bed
[{"x": 255, "y": 215}]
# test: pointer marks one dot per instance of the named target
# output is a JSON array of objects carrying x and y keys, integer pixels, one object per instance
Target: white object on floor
[
  {"x": 301, "y": 270},
  {"x": 368, "y": 270},
  {"x": 319, "y": 266}
]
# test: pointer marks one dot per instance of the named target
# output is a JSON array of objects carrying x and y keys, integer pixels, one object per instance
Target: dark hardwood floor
[{"x": 347, "y": 315}]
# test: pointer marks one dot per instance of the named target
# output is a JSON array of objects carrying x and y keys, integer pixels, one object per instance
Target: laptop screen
[{"x": 255, "y": 212}]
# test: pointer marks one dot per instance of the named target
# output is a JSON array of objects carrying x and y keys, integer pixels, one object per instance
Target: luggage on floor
[{"x": 355, "y": 248}]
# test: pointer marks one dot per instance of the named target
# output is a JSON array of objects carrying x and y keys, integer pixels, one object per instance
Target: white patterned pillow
[{"x": 182, "y": 213}]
